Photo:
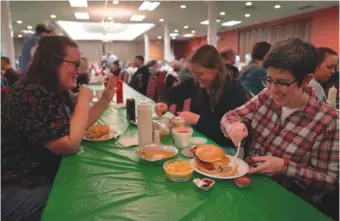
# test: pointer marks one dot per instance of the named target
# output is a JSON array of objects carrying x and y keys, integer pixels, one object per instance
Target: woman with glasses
[
  {"x": 295, "y": 138},
  {"x": 41, "y": 123},
  {"x": 211, "y": 92}
]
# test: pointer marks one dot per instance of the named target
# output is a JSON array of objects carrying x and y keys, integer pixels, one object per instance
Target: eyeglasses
[
  {"x": 75, "y": 63},
  {"x": 278, "y": 84}
]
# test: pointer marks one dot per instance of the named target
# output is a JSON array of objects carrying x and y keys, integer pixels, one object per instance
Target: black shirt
[
  {"x": 140, "y": 80},
  {"x": 11, "y": 76},
  {"x": 209, "y": 123},
  {"x": 234, "y": 71}
]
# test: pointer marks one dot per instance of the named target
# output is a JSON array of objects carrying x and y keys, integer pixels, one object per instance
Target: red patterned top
[
  {"x": 307, "y": 139},
  {"x": 31, "y": 116}
]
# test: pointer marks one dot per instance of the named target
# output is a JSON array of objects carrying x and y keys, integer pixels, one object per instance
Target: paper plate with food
[
  {"x": 100, "y": 132},
  {"x": 211, "y": 161},
  {"x": 156, "y": 153}
]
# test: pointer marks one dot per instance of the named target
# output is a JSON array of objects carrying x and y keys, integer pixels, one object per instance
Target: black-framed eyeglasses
[
  {"x": 75, "y": 63},
  {"x": 277, "y": 84}
]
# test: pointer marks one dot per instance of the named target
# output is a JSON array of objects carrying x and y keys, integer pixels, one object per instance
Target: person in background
[
  {"x": 295, "y": 138},
  {"x": 153, "y": 67},
  {"x": 212, "y": 94},
  {"x": 111, "y": 58},
  {"x": 185, "y": 71},
  {"x": 26, "y": 54},
  {"x": 251, "y": 75},
  {"x": 140, "y": 79},
  {"x": 40, "y": 123},
  {"x": 229, "y": 57},
  {"x": 9, "y": 74},
  {"x": 327, "y": 60},
  {"x": 83, "y": 74},
  {"x": 116, "y": 69}
]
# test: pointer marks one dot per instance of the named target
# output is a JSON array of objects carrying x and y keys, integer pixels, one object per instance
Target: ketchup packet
[{"x": 243, "y": 181}]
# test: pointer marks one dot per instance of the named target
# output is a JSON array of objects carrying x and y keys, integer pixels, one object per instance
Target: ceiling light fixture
[
  {"x": 148, "y": 6},
  {"x": 29, "y": 27},
  {"x": 222, "y": 13},
  {"x": 231, "y": 23},
  {"x": 53, "y": 16},
  {"x": 78, "y": 3},
  {"x": 19, "y": 22},
  {"x": 82, "y": 15},
  {"x": 176, "y": 31},
  {"x": 186, "y": 27},
  {"x": 188, "y": 35},
  {"x": 249, "y": 4},
  {"x": 206, "y": 22},
  {"x": 19, "y": 36},
  {"x": 247, "y": 15},
  {"x": 173, "y": 34},
  {"x": 174, "y": 38},
  {"x": 161, "y": 20},
  {"x": 137, "y": 17},
  {"x": 159, "y": 37},
  {"x": 115, "y": 2},
  {"x": 183, "y": 6},
  {"x": 28, "y": 31},
  {"x": 193, "y": 31},
  {"x": 218, "y": 20},
  {"x": 277, "y": 6}
]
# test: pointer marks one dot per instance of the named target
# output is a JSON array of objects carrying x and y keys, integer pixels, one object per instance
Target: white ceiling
[{"x": 34, "y": 12}]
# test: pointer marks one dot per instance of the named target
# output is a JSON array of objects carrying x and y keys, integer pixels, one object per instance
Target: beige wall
[{"x": 125, "y": 50}]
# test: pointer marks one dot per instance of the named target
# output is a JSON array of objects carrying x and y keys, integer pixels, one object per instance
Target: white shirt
[
  {"x": 319, "y": 91},
  {"x": 286, "y": 112}
]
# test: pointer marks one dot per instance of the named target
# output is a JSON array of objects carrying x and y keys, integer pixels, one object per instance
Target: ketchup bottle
[{"x": 119, "y": 93}]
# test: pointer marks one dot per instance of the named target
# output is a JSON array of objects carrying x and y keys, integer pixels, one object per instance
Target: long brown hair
[
  {"x": 208, "y": 57},
  {"x": 46, "y": 60}
]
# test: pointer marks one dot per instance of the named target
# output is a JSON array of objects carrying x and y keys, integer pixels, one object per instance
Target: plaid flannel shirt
[{"x": 307, "y": 140}]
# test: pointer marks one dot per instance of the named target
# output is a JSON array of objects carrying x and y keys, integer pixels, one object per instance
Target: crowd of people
[{"x": 277, "y": 102}]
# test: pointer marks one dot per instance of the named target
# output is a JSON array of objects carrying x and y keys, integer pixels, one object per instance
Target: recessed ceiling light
[
  {"x": 206, "y": 22},
  {"x": 193, "y": 31},
  {"x": 249, "y": 3},
  {"x": 183, "y": 6},
  {"x": 188, "y": 35},
  {"x": 28, "y": 31},
  {"x": 78, "y": 3},
  {"x": 19, "y": 36},
  {"x": 176, "y": 30},
  {"x": 222, "y": 13},
  {"x": 277, "y": 6},
  {"x": 29, "y": 27},
  {"x": 53, "y": 16},
  {"x": 159, "y": 37},
  {"x": 19, "y": 22},
  {"x": 148, "y": 6},
  {"x": 231, "y": 23},
  {"x": 173, "y": 34},
  {"x": 115, "y": 2},
  {"x": 137, "y": 17},
  {"x": 218, "y": 20},
  {"x": 174, "y": 37},
  {"x": 110, "y": 18},
  {"x": 247, "y": 15},
  {"x": 161, "y": 20},
  {"x": 82, "y": 15},
  {"x": 186, "y": 27}
]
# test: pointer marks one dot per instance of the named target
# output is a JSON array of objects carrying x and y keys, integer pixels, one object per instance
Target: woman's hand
[
  {"x": 110, "y": 89},
  {"x": 161, "y": 108},
  {"x": 268, "y": 165},
  {"x": 189, "y": 117},
  {"x": 85, "y": 95},
  {"x": 237, "y": 131}
]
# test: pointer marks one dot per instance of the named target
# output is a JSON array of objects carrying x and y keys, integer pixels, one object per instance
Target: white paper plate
[
  {"x": 243, "y": 169},
  {"x": 113, "y": 134}
]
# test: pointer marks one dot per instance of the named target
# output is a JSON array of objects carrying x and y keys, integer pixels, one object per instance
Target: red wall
[{"x": 324, "y": 32}]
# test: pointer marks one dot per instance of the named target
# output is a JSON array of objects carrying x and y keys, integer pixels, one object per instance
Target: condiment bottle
[
  {"x": 332, "y": 97},
  {"x": 119, "y": 93},
  {"x": 156, "y": 137},
  {"x": 144, "y": 117}
]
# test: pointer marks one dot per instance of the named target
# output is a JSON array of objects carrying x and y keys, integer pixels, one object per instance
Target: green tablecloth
[{"x": 107, "y": 182}]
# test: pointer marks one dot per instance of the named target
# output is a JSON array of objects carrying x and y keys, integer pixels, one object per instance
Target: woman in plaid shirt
[{"x": 295, "y": 138}]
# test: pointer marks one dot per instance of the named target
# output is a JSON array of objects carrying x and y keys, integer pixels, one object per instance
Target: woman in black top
[{"x": 212, "y": 93}]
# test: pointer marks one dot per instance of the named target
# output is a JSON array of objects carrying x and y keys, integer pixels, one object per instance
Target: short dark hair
[
  {"x": 140, "y": 57},
  {"x": 260, "y": 49},
  {"x": 224, "y": 54},
  {"x": 6, "y": 59},
  {"x": 321, "y": 54},
  {"x": 293, "y": 55},
  {"x": 41, "y": 28}
]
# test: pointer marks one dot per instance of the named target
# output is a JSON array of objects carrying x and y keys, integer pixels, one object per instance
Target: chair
[{"x": 151, "y": 91}]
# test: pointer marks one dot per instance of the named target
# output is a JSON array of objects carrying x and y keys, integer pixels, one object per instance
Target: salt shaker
[
  {"x": 144, "y": 116},
  {"x": 156, "y": 137}
]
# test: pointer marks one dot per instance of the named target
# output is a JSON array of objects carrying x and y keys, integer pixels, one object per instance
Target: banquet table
[{"x": 105, "y": 181}]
